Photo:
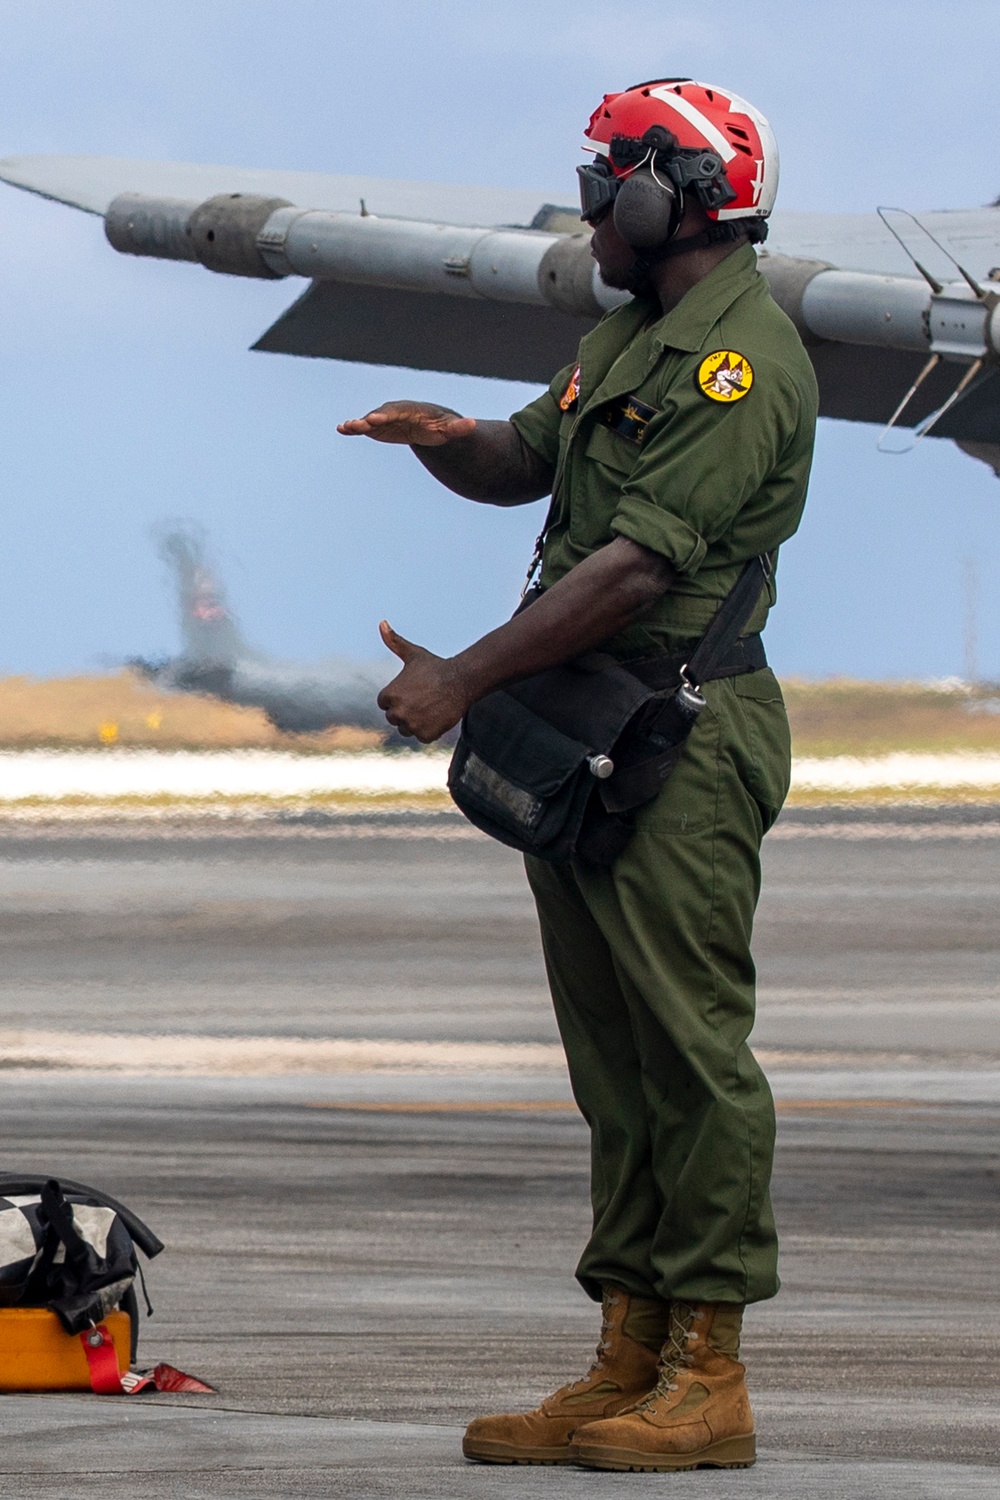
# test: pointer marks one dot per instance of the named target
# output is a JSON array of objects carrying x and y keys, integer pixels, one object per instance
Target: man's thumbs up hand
[
  {"x": 400, "y": 646},
  {"x": 427, "y": 698}
]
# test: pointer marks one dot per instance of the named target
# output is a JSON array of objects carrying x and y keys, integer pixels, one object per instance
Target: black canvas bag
[
  {"x": 557, "y": 765},
  {"x": 80, "y": 1265}
]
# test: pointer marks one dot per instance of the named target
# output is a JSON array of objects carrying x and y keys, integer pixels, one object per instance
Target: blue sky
[{"x": 130, "y": 395}]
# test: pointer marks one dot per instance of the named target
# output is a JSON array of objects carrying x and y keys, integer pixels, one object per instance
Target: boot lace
[
  {"x": 677, "y": 1351},
  {"x": 603, "y": 1343}
]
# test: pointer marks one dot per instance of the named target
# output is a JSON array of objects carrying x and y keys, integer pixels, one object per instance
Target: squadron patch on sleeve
[
  {"x": 571, "y": 394},
  {"x": 725, "y": 375}
]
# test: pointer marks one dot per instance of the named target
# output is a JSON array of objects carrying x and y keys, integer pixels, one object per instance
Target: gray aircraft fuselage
[
  {"x": 297, "y": 699},
  {"x": 217, "y": 661}
]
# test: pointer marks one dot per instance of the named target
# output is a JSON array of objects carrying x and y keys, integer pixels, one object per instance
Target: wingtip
[{"x": 61, "y": 179}]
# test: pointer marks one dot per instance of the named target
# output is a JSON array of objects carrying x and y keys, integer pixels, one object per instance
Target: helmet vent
[{"x": 701, "y": 137}]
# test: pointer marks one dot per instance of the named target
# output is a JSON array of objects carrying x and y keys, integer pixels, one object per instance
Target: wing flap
[
  {"x": 859, "y": 384},
  {"x": 506, "y": 341},
  {"x": 426, "y": 331}
]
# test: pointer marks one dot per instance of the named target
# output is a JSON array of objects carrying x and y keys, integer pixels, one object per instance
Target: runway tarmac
[{"x": 364, "y": 1254}]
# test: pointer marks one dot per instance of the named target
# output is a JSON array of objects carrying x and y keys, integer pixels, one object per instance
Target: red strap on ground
[
  {"x": 166, "y": 1378},
  {"x": 102, "y": 1357},
  {"x": 105, "y": 1379}
]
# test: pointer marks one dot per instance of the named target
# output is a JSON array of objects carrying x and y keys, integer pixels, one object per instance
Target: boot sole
[
  {"x": 728, "y": 1453},
  {"x": 483, "y": 1451}
]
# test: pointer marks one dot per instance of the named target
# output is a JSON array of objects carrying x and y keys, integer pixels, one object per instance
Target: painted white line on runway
[
  {"x": 209, "y": 824},
  {"x": 908, "y": 832},
  {"x": 232, "y": 820},
  {"x": 251, "y": 1055},
  {"x": 795, "y": 1075},
  {"x": 119, "y": 773},
  {"x": 902, "y": 769}
]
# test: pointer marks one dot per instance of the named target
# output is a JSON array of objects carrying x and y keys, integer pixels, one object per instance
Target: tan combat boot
[
  {"x": 623, "y": 1371},
  {"x": 699, "y": 1413}
]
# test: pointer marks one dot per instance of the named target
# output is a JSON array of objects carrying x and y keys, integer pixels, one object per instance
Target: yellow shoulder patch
[{"x": 725, "y": 375}]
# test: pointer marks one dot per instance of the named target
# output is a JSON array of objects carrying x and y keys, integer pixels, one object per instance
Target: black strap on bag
[
  {"x": 12, "y": 1183},
  {"x": 80, "y": 1275},
  {"x": 733, "y": 614},
  {"x": 556, "y": 765}
]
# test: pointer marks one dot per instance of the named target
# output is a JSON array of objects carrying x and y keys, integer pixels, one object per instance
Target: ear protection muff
[
  {"x": 649, "y": 203},
  {"x": 647, "y": 210}
]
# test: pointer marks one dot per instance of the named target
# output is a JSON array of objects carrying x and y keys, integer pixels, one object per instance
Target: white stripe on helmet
[
  {"x": 694, "y": 117},
  {"x": 769, "y": 166}
]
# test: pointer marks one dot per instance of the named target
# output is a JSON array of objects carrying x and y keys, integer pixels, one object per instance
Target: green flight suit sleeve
[
  {"x": 539, "y": 422},
  {"x": 702, "y": 461}
]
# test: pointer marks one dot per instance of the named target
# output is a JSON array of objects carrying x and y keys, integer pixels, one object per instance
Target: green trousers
[{"x": 653, "y": 984}]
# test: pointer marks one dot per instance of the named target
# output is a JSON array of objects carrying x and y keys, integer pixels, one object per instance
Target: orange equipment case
[{"x": 37, "y": 1354}]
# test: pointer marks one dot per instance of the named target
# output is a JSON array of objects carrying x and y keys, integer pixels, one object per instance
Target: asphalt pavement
[{"x": 362, "y": 1256}]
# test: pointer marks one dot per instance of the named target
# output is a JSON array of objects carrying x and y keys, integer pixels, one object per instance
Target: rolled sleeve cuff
[{"x": 643, "y": 522}]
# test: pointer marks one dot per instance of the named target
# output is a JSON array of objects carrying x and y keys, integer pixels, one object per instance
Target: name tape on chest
[
  {"x": 628, "y": 416},
  {"x": 725, "y": 376}
]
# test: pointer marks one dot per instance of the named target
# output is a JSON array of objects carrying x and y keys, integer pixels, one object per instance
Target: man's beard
[{"x": 635, "y": 279}]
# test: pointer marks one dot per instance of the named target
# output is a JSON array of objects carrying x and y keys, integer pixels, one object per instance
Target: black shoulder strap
[{"x": 731, "y": 619}]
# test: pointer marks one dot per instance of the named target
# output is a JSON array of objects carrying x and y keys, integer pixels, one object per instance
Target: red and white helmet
[{"x": 701, "y": 118}]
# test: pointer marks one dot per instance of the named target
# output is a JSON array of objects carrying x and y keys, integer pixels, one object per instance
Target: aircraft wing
[
  {"x": 499, "y": 282},
  {"x": 861, "y": 242},
  {"x": 93, "y": 182},
  {"x": 853, "y": 242}
]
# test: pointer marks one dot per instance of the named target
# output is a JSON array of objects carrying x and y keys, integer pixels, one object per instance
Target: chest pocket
[
  {"x": 602, "y": 468},
  {"x": 611, "y": 449}
]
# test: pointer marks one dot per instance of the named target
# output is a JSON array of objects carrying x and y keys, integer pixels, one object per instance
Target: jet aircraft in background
[
  {"x": 217, "y": 662},
  {"x": 488, "y": 281}
]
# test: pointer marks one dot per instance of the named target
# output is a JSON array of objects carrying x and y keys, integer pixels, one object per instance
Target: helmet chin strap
[{"x": 714, "y": 234}]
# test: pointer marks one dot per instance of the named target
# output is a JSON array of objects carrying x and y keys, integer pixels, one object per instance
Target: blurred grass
[
  {"x": 838, "y": 716},
  {"x": 841, "y": 716},
  {"x": 121, "y": 708}
]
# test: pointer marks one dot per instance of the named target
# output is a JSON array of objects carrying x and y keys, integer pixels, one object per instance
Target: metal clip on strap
[
  {"x": 107, "y": 1380},
  {"x": 102, "y": 1361}
]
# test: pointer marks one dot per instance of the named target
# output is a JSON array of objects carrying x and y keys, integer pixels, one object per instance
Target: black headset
[
  {"x": 648, "y": 205},
  {"x": 647, "y": 210}
]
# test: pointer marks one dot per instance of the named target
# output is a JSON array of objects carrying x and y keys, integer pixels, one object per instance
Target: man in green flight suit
[{"x": 676, "y": 448}]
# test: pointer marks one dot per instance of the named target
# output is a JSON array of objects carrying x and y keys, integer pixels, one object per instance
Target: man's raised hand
[{"x": 418, "y": 423}]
